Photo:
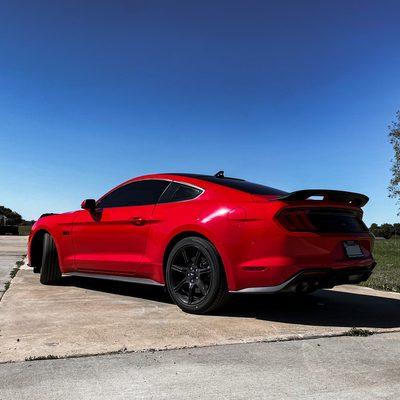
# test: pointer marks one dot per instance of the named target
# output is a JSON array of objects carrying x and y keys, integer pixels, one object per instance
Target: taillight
[
  {"x": 297, "y": 220},
  {"x": 324, "y": 220}
]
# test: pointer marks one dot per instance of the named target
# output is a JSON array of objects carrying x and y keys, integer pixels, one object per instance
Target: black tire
[
  {"x": 194, "y": 266},
  {"x": 50, "y": 272}
]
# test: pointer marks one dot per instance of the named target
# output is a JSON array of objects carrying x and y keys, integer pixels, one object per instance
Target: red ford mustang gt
[{"x": 204, "y": 236}]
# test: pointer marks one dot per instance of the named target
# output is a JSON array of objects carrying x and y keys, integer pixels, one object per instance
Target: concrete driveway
[
  {"x": 88, "y": 317},
  {"x": 364, "y": 368},
  {"x": 12, "y": 249}
]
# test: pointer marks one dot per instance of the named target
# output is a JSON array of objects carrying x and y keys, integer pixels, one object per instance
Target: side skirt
[{"x": 130, "y": 279}]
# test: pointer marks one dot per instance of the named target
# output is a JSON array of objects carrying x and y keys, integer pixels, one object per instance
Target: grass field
[
  {"x": 24, "y": 230},
  {"x": 386, "y": 275}
]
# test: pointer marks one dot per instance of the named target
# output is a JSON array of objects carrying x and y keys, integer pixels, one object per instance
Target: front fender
[{"x": 59, "y": 227}]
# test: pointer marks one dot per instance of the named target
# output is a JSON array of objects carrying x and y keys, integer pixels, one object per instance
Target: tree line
[
  {"x": 385, "y": 230},
  {"x": 14, "y": 217},
  {"x": 394, "y": 138}
]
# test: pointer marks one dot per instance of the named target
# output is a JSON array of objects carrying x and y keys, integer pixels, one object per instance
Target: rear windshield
[{"x": 239, "y": 184}]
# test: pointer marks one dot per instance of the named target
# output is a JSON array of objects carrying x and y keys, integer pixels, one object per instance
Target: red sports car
[{"x": 204, "y": 236}]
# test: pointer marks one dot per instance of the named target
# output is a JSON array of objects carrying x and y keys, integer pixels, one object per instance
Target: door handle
[{"x": 139, "y": 221}]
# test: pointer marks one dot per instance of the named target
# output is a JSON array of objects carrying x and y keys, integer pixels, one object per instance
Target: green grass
[
  {"x": 24, "y": 230},
  {"x": 358, "y": 332},
  {"x": 386, "y": 275},
  {"x": 13, "y": 272},
  {"x": 49, "y": 357}
]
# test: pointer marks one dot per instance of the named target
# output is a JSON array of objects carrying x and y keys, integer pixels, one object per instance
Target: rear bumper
[{"x": 309, "y": 280}]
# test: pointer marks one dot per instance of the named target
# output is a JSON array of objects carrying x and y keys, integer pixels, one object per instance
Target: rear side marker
[{"x": 254, "y": 268}]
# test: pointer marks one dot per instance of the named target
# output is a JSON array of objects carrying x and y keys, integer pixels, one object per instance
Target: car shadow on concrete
[
  {"x": 322, "y": 308},
  {"x": 146, "y": 292}
]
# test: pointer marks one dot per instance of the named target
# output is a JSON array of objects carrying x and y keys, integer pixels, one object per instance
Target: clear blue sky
[{"x": 293, "y": 94}]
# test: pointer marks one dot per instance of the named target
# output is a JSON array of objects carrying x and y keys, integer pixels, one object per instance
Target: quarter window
[
  {"x": 134, "y": 194},
  {"x": 179, "y": 192}
]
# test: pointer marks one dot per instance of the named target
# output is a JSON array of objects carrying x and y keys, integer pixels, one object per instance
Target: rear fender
[{"x": 213, "y": 238}]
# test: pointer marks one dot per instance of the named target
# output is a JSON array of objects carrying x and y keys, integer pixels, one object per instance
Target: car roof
[{"x": 221, "y": 180}]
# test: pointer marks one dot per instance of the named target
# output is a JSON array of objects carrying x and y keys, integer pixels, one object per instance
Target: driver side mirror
[{"x": 88, "y": 204}]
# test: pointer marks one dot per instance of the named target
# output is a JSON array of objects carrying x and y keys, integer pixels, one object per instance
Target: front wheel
[
  {"x": 50, "y": 272},
  {"x": 195, "y": 277}
]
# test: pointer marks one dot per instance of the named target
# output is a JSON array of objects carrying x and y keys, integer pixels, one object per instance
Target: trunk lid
[{"x": 321, "y": 211}]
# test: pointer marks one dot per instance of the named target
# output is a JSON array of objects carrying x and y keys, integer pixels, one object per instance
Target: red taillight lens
[{"x": 296, "y": 220}]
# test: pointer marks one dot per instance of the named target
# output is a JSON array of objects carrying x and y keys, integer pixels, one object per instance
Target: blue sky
[{"x": 293, "y": 94}]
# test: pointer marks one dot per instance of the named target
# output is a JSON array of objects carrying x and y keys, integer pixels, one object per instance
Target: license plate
[{"x": 353, "y": 249}]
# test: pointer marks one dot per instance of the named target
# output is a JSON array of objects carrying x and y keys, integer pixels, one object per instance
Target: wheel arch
[
  {"x": 192, "y": 233},
  {"x": 36, "y": 248}
]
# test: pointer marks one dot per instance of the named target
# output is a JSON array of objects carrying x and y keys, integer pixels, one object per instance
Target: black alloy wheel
[{"x": 195, "y": 277}]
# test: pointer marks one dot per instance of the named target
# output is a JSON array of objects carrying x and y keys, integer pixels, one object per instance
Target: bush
[
  {"x": 24, "y": 230},
  {"x": 385, "y": 230}
]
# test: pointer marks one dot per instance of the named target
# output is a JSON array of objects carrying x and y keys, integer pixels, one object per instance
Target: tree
[
  {"x": 385, "y": 230},
  {"x": 394, "y": 137},
  {"x": 374, "y": 227},
  {"x": 14, "y": 216}
]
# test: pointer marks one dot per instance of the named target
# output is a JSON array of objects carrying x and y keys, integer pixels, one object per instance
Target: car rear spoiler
[{"x": 354, "y": 199}]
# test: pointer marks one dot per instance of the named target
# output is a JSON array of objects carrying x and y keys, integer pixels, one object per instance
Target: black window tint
[
  {"x": 239, "y": 184},
  {"x": 179, "y": 192},
  {"x": 184, "y": 192},
  {"x": 134, "y": 194}
]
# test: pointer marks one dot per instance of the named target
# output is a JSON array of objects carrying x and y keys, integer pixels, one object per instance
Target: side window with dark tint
[
  {"x": 134, "y": 194},
  {"x": 179, "y": 192},
  {"x": 184, "y": 192}
]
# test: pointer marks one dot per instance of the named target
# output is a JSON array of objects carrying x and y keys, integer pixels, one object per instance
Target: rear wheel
[
  {"x": 195, "y": 276},
  {"x": 50, "y": 272}
]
